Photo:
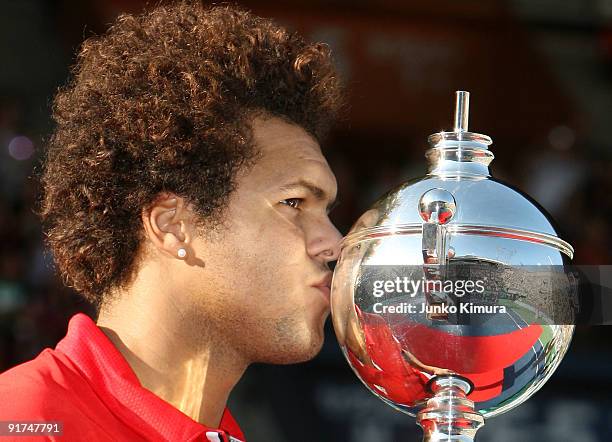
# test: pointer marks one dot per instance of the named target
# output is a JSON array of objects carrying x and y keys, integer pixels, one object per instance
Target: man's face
[{"x": 265, "y": 280}]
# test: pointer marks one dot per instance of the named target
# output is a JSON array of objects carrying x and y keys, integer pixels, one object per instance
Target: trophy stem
[{"x": 449, "y": 415}]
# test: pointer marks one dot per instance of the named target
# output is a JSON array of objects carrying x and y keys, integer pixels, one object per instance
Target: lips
[{"x": 324, "y": 285}]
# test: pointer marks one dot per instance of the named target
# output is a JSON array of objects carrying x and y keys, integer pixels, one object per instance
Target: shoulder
[{"x": 42, "y": 388}]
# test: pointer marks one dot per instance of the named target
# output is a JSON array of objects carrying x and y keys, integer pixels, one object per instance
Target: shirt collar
[{"x": 113, "y": 379}]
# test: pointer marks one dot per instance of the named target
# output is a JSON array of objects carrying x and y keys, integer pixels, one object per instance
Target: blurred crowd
[
  {"x": 565, "y": 172},
  {"x": 34, "y": 304}
]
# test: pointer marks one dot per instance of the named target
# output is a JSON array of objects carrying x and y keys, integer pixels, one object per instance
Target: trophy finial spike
[{"x": 462, "y": 111}]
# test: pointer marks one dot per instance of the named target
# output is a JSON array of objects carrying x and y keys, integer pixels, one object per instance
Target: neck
[{"x": 174, "y": 354}]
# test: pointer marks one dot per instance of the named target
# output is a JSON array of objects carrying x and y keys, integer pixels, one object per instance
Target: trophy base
[{"x": 449, "y": 415}]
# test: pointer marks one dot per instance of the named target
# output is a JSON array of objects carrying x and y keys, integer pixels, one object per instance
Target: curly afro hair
[{"x": 161, "y": 103}]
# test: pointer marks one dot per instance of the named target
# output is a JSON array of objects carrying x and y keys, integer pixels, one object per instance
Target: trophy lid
[{"x": 459, "y": 167}]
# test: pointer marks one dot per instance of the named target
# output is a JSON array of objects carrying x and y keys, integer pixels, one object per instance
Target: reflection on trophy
[{"x": 418, "y": 345}]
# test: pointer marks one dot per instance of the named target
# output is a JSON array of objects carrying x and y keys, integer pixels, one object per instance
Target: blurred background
[{"x": 540, "y": 74}]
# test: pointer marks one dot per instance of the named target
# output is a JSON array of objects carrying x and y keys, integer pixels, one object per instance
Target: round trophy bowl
[{"x": 453, "y": 354}]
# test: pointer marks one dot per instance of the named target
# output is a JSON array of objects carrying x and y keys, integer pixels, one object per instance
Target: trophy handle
[{"x": 437, "y": 208}]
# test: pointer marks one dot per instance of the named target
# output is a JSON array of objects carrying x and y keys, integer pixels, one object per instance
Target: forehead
[{"x": 288, "y": 152}]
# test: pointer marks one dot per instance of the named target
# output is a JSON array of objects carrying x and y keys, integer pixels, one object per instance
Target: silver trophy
[{"x": 400, "y": 314}]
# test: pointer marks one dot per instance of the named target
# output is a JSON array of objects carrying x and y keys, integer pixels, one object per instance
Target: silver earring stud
[{"x": 182, "y": 253}]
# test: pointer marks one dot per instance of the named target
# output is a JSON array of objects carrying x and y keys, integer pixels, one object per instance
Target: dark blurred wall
[{"x": 539, "y": 74}]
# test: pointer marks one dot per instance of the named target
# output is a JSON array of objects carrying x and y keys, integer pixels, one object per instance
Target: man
[{"x": 186, "y": 196}]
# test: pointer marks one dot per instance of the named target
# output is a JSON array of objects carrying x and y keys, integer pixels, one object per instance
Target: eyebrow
[{"x": 316, "y": 191}]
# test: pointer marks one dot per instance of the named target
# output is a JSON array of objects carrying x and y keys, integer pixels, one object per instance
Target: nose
[{"x": 325, "y": 243}]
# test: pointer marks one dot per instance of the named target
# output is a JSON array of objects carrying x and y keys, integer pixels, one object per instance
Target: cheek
[
  {"x": 261, "y": 256},
  {"x": 277, "y": 243},
  {"x": 273, "y": 270},
  {"x": 269, "y": 253}
]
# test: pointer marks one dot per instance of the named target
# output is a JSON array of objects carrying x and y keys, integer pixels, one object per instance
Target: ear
[{"x": 168, "y": 224}]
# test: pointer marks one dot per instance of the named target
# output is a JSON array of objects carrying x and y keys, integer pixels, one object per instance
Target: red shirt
[{"x": 88, "y": 386}]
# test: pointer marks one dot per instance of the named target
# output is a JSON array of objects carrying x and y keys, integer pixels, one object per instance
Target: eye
[{"x": 293, "y": 202}]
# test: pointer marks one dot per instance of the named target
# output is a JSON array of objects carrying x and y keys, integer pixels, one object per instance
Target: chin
[
  {"x": 301, "y": 355},
  {"x": 312, "y": 351},
  {"x": 296, "y": 350},
  {"x": 290, "y": 340}
]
